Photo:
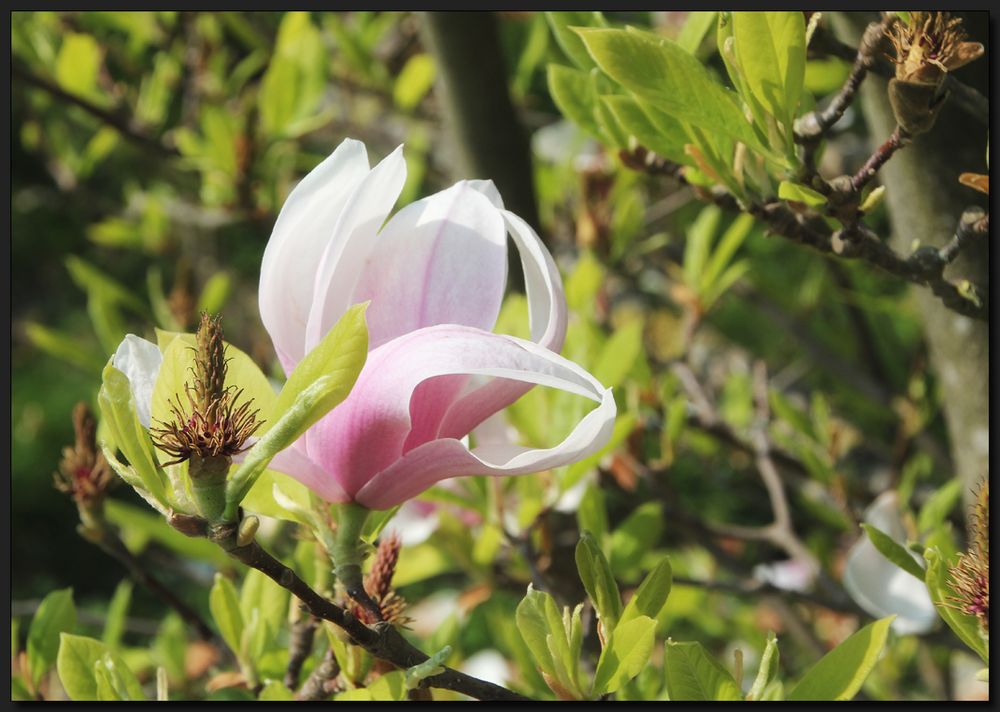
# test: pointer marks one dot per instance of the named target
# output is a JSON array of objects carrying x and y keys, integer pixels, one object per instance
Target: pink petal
[
  {"x": 408, "y": 386},
  {"x": 295, "y": 463},
  {"x": 432, "y": 462},
  {"x": 301, "y": 232},
  {"x": 441, "y": 260},
  {"x": 353, "y": 237}
]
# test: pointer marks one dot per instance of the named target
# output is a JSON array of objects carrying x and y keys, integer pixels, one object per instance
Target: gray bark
[{"x": 925, "y": 200}]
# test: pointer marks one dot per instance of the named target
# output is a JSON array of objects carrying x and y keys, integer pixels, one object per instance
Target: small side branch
[{"x": 381, "y": 640}]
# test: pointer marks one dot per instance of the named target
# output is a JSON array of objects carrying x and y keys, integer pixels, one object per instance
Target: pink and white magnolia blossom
[{"x": 435, "y": 275}]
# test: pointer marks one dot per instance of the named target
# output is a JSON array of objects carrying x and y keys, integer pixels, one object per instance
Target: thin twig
[
  {"x": 117, "y": 121},
  {"x": 882, "y": 154},
  {"x": 299, "y": 646},
  {"x": 319, "y": 685},
  {"x": 381, "y": 640}
]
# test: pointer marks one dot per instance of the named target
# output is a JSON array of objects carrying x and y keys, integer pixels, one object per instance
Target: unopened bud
[{"x": 248, "y": 528}]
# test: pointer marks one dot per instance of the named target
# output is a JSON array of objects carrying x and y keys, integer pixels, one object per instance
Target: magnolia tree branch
[
  {"x": 381, "y": 640},
  {"x": 116, "y": 120}
]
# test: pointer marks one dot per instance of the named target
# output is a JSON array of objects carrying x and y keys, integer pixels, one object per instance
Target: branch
[
  {"x": 109, "y": 542},
  {"x": 883, "y": 153},
  {"x": 117, "y": 121},
  {"x": 381, "y": 640}
]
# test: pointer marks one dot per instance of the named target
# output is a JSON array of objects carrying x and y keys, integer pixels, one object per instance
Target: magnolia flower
[
  {"x": 878, "y": 585},
  {"x": 435, "y": 275}
]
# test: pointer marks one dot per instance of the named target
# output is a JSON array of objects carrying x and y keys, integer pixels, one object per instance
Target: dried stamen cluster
[
  {"x": 83, "y": 471},
  {"x": 217, "y": 424},
  {"x": 378, "y": 584},
  {"x": 970, "y": 577}
]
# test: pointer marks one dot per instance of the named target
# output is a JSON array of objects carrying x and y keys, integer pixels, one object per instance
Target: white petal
[
  {"x": 353, "y": 238},
  {"x": 440, "y": 260},
  {"x": 302, "y": 231},
  {"x": 414, "y": 522},
  {"x": 546, "y": 299},
  {"x": 879, "y": 586},
  {"x": 140, "y": 361}
]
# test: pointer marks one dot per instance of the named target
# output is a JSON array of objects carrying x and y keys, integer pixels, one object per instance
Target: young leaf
[
  {"x": 595, "y": 572},
  {"x": 660, "y": 72},
  {"x": 771, "y": 47},
  {"x": 840, "y": 673},
  {"x": 787, "y": 190},
  {"x": 76, "y": 662},
  {"x": 693, "y": 674},
  {"x": 966, "y": 627},
  {"x": 893, "y": 551},
  {"x": 568, "y": 41},
  {"x": 591, "y": 514},
  {"x": 225, "y": 608},
  {"x": 939, "y": 505},
  {"x": 651, "y": 596},
  {"x": 114, "y": 624},
  {"x": 768, "y": 669},
  {"x": 320, "y": 381},
  {"x": 634, "y": 537},
  {"x": 532, "y": 625},
  {"x": 625, "y": 654},
  {"x": 635, "y": 121},
  {"x": 573, "y": 94},
  {"x": 55, "y": 615},
  {"x": 695, "y": 28}
]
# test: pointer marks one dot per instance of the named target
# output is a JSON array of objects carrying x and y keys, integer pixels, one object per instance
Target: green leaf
[
  {"x": 225, "y": 608},
  {"x": 78, "y": 63},
  {"x": 414, "y": 81},
  {"x": 695, "y": 28},
  {"x": 891, "y": 550},
  {"x": 114, "y": 624},
  {"x": 666, "y": 139},
  {"x": 636, "y": 535},
  {"x": 77, "y": 661},
  {"x": 55, "y": 615},
  {"x": 651, "y": 596},
  {"x": 939, "y": 505},
  {"x": 64, "y": 347},
  {"x": 700, "y": 234},
  {"x": 626, "y": 653},
  {"x": 573, "y": 93},
  {"x": 591, "y": 514},
  {"x": 619, "y": 353},
  {"x": 270, "y": 600},
  {"x": 595, "y": 572},
  {"x": 214, "y": 294},
  {"x": 840, "y": 673},
  {"x": 118, "y": 411},
  {"x": 771, "y": 47},
  {"x": 275, "y": 691},
  {"x": 320, "y": 381},
  {"x": 966, "y": 626},
  {"x": 532, "y": 625},
  {"x": 568, "y": 41},
  {"x": 727, "y": 246},
  {"x": 768, "y": 669},
  {"x": 693, "y": 674},
  {"x": 787, "y": 190},
  {"x": 661, "y": 72},
  {"x": 295, "y": 79}
]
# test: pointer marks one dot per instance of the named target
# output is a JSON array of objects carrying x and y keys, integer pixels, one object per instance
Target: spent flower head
[
  {"x": 931, "y": 45},
  {"x": 83, "y": 472},
  {"x": 216, "y": 424},
  {"x": 378, "y": 584},
  {"x": 970, "y": 577}
]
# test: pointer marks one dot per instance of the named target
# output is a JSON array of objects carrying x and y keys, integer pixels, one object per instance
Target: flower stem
[{"x": 347, "y": 553}]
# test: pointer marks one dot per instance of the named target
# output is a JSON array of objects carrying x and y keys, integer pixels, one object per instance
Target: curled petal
[
  {"x": 879, "y": 586},
  {"x": 140, "y": 361},
  {"x": 301, "y": 233},
  {"x": 438, "y": 460},
  {"x": 440, "y": 260},
  {"x": 351, "y": 241},
  {"x": 407, "y": 389}
]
